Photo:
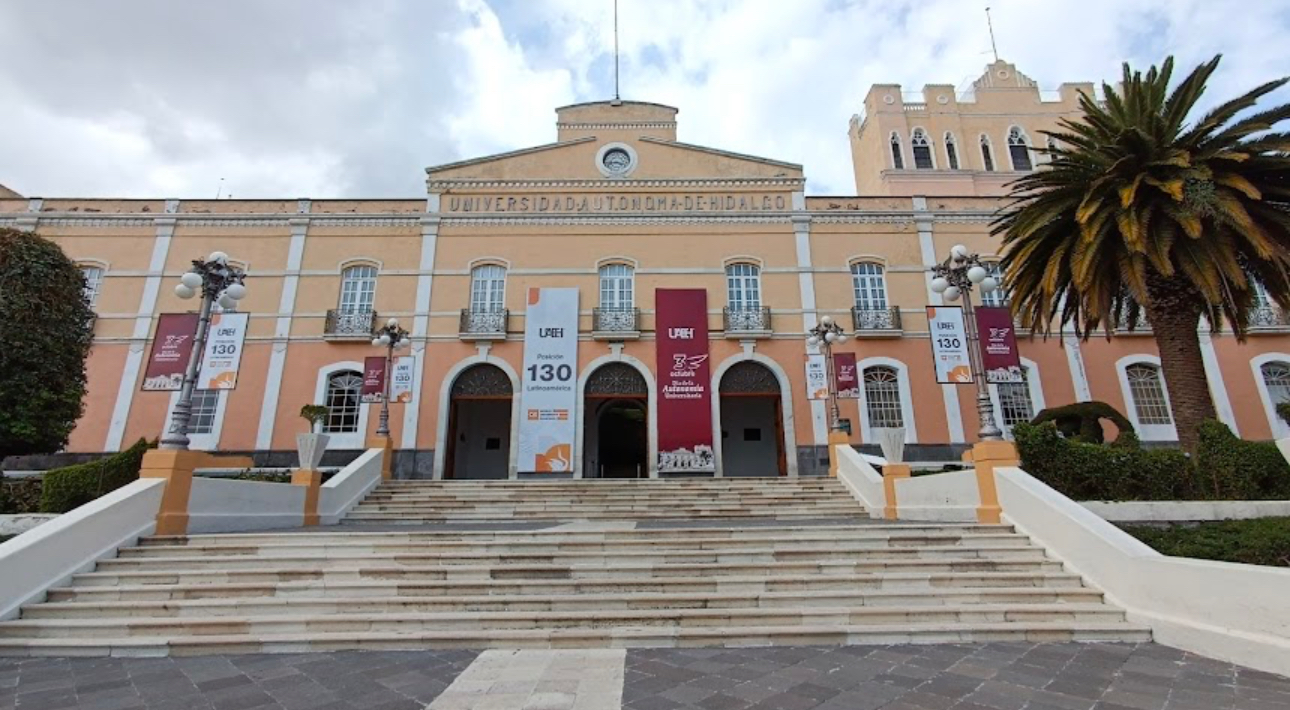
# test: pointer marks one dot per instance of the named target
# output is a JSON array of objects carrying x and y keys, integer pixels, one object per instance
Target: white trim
[
  {"x": 445, "y": 396},
  {"x": 906, "y": 398},
  {"x": 1277, "y": 426},
  {"x": 1036, "y": 386},
  {"x": 202, "y": 442},
  {"x": 1154, "y": 432},
  {"x": 743, "y": 259},
  {"x": 984, "y": 140},
  {"x": 632, "y": 158},
  {"x": 616, "y": 260},
  {"x": 580, "y": 411},
  {"x": 900, "y": 145},
  {"x": 785, "y": 405},
  {"x": 356, "y": 261},
  {"x": 1218, "y": 390},
  {"x": 352, "y": 440},
  {"x": 1075, "y": 363},
  {"x": 420, "y": 328},
  {"x": 483, "y": 261},
  {"x": 142, "y": 326},
  {"x": 931, "y": 147},
  {"x": 946, "y": 140},
  {"x": 806, "y": 289},
  {"x": 927, "y": 249},
  {"x": 282, "y": 336}
]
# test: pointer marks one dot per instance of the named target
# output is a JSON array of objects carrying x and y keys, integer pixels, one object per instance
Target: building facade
[{"x": 619, "y": 208}]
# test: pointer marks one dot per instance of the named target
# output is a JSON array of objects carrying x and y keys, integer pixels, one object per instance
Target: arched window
[
  {"x": 344, "y": 389},
  {"x": 952, "y": 151},
  {"x": 922, "y": 150},
  {"x": 1015, "y": 404},
  {"x": 882, "y": 397},
  {"x": 1052, "y": 145},
  {"x": 897, "y": 155},
  {"x": 488, "y": 288},
  {"x": 1019, "y": 150},
  {"x": 617, "y": 291},
  {"x": 1147, "y": 390},
  {"x": 357, "y": 289},
  {"x": 1276, "y": 377},
  {"x": 999, "y": 296},
  {"x": 93, "y": 281},
  {"x": 743, "y": 287},
  {"x": 987, "y": 155},
  {"x": 869, "y": 284}
]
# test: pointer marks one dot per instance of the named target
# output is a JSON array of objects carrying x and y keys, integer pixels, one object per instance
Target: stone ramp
[{"x": 645, "y": 579}]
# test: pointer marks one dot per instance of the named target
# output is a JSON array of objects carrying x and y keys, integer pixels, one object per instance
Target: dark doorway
[
  {"x": 616, "y": 423},
  {"x": 752, "y": 424},
  {"x": 479, "y": 425}
]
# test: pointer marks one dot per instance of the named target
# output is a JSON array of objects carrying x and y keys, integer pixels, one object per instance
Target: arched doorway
[
  {"x": 752, "y": 424},
  {"x": 616, "y": 423},
  {"x": 479, "y": 424}
]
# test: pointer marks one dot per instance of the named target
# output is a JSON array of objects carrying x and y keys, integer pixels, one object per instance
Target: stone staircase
[{"x": 652, "y": 563}]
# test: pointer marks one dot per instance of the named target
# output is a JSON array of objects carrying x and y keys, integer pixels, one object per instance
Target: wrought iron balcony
[
  {"x": 345, "y": 324},
  {"x": 616, "y": 323},
  {"x": 1268, "y": 319},
  {"x": 745, "y": 322},
  {"x": 483, "y": 324},
  {"x": 876, "y": 321},
  {"x": 1124, "y": 325}
]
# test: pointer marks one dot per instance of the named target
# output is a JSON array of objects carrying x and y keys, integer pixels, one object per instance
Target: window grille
[
  {"x": 1276, "y": 377},
  {"x": 743, "y": 287},
  {"x": 869, "y": 285},
  {"x": 616, "y": 287},
  {"x": 205, "y": 403},
  {"x": 882, "y": 397},
  {"x": 344, "y": 389},
  {"x": 922, "y": 150},
  {"x": 1148, "y": 393},
  {"x": 487, "y": 288},
  {"x": 358, "y": 289},
  {"x": 1015, "y": 405}
]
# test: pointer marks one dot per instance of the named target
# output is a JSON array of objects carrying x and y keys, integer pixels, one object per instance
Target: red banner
[
  {"x": 172, "y": 348},
  {"x": 998, "y": 336},
  {"x": 373, "y": 379},
  {"x": 846, "y": 380},
  {"x": 684, "y": 381}
]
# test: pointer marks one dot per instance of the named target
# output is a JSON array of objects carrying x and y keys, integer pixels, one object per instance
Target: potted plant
[{"x": 311, "y": 446}]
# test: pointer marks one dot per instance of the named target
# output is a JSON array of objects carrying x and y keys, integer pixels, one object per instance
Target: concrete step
[
  {"x": 629, "y": 637},
  {"x": 409, "y": 622},
  {"x": 426, "y": 517},
  {"x": 270, "y": 606},
  {"x": 392, "y": 583}
]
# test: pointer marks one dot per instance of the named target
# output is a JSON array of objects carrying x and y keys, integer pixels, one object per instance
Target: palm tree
[{"x": 1141, "y": 211}]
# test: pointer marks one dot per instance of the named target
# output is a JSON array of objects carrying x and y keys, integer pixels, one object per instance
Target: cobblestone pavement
[{"x": 1002, "y": 676}]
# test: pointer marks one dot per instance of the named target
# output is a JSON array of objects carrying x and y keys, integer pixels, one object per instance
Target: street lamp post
[
  {"x": 825, "y": 335},
  {"x": 390, "y": 336},
  {"x": 217, "y": 282},
  {"x": 955, "y": 278}
]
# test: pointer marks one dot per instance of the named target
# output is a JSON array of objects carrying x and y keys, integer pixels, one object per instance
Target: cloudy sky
[{"x": 336, "y": 98}]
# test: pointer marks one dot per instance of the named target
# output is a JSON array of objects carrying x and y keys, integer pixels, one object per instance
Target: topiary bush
[
  {"x": 1230, "y": 468},
  {"x": 1083, "y": 471},
  {"x": 1263, "y": 541},
  {"x": 18, "y": 496},
  {"x": 45, "y": 328},
  {"x": 1082, "y": 421},
  {"x": 74, "y": 486}
]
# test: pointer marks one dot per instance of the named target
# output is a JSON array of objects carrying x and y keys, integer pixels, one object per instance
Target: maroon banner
[
  {"x": 845, "y": 379},
  {"x": 172, "y": 348},
  {"x": 998, "y": 335},
  {"x": 373, "y": 379},
  {"x": 684, "y": 381}
]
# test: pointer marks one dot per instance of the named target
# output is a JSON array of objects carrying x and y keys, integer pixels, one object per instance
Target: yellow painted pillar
[
  {"x": 836, "y": 439},
  {"x": 313, "y": 481},
  {"x": 176, "y": 467},
  {"x": 387, "y": 459},
  {"x": 988, "y": 455},
  {"x": 891, "y": 473}
]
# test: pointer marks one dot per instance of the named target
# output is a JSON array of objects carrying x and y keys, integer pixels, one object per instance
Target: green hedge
[
  {"x": 74, "y": 486},
  {"x": 1264, "y": 541},
  {"x": 1120, "y": 471},
  {"x": 1225, "y": 468}
]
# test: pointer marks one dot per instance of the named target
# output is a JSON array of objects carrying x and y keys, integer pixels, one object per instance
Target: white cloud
[{"x": 327, "y": 98}]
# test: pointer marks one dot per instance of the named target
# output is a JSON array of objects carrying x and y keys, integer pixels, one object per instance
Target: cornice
[
  {"x": 863, "y": 218},
  {"x": 612, "y": 185},
  {"x": 611, "y": 126},
  {"x": 409, "y": 221},
  {"x": 604, "y": 220}
]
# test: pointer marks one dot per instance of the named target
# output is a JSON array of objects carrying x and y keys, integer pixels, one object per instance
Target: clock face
[{"x": 617, "y": 160}]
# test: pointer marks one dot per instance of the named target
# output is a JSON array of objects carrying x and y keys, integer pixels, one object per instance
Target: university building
[{"x": 622, "y": 210}]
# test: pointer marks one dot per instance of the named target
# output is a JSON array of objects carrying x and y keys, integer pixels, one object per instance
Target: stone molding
[
  {"x": 613, "y": 185},
  {"x": 603, "y": 220}
]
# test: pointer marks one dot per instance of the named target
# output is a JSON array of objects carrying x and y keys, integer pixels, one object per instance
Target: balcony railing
[
  {"x": 616, "y": 323},
  {"x": 1266, "y": 319},
  {"x": 483, "y": 324},
  {"x": 1125, "y": 325},
  {"x": 344, "y": 324},
  {"x": 746, "y": 322},
  {"x": 875, "y": 321}
]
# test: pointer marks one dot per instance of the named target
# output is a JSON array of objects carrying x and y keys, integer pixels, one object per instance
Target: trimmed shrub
[
  {"x": 19, "y": 496},
  {"x": 1096, "y": 472},
  {"x": 1264, "y": 541},
  {"x": 1082, "y": 421},
  {"x": 1230, "y": 468},
  {"x": 73, "y": 486}
]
